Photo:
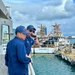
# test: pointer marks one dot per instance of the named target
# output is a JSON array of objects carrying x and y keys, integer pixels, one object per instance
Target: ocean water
[
  {"x": 51, "y": 65},
  {"x": 72, "y": 40}
]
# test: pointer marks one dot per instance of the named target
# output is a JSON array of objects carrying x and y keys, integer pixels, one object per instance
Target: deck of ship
[{"x": 3, "y": 68}]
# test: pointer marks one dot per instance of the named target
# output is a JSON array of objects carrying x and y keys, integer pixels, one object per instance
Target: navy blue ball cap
[
  {"x": 31, "y": 27},
  {"x": 21, "y": 29}
]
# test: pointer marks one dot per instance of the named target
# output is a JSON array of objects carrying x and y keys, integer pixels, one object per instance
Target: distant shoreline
[{"x": 71, "y": 38}]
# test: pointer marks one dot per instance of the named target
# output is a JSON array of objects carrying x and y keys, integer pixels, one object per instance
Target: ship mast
[
  {"x": 56, "y": 30},
  {"x": 42, "y": 31}
]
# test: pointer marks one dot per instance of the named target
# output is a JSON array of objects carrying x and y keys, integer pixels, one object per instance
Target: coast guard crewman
[
  {"x": 30, "y": 40},
  {"x": 16, "y": 58}
]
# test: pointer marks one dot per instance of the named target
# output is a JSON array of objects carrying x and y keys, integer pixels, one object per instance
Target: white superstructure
[{"x": 5, "y": 27}]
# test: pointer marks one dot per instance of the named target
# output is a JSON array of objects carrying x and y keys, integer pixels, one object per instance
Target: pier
[{"x": 67, "y": 54}]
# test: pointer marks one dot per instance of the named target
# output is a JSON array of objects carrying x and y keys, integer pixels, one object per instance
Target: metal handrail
[{"x": 31, "y": 70}]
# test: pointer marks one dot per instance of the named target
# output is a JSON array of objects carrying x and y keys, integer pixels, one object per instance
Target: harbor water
[
  {"x": 45, "y": 64},
  {"x": 48, "y": 64},
  {"x": 72, "y": 40}
]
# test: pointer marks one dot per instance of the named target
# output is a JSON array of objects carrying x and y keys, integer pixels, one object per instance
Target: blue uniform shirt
[
  {"x": 28, "y": 43},
  {"x": 15, "y": 57}
]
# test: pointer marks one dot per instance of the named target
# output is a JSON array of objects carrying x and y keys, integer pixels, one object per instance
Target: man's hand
[
  {"x": 31, "y": 61},
  {"x": 33, "y": 34},
  {"x": 28, "y": 56},
  {"x": 38, "y": 45},
  {"x": 37, "y": 42}
]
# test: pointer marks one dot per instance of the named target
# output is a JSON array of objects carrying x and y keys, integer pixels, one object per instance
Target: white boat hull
[{"x": 43, "y": 50}]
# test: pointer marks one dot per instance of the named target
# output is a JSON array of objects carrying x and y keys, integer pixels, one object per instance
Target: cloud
[
  {"x": 64, "y": 9},
  {"x": 45, "y": 12},
  {"x": 21, "y": 17},
  {"x": 53, "y": 2},
  {"x": 59, "y": 12},
  {"x": 47, "y": 2},
  {"x": 70, "y": 7}
]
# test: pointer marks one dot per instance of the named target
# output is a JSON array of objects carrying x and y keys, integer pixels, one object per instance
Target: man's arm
[
  {"x": 21, "y": 53},
  {"x": 35, "y": 41}
]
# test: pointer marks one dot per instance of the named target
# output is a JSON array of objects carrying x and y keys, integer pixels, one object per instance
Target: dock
[{"x": 67, "y": 55}]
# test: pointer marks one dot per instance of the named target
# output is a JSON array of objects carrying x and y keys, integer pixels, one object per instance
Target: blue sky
[{"x": 46, "y": 12}]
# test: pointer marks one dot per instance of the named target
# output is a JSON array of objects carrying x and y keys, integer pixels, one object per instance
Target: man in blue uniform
[
  {"x": 30, "y": 40},
  {"x": 16, "y": 57}
]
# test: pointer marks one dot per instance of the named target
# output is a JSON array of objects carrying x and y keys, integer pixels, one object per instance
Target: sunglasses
[{"x": 32, "y": 31}]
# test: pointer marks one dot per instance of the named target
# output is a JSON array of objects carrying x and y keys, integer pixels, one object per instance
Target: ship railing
[
  {"x": 31, "y": 70},
  {"x": 3, "y": 68}
]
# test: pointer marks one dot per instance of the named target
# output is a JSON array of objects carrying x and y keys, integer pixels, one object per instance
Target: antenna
[{"x": 9, "y": 9}]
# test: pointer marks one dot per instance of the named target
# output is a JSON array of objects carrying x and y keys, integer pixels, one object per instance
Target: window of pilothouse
[{"x": 5, "y": 33}]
